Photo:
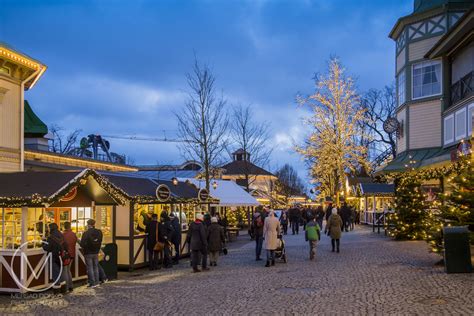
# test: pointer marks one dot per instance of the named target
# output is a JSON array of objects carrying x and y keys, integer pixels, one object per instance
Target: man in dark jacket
[
  {"x": 197, "y": 241},
  {"x": 166, "y": 235},
  {"x": 151, "y": 239},
  {"x": 319, "y": 215},
  {"x": 91, "y": 243},
  {"x": 257, "y": 231},
  {"x": 216, "y": 240},
  {"x": 295, "y": 217},
  {"x": 176, "y": 239},
  {"x": 345, "y": 215},
  {"x": 329, "y": 211},
  {"x": 54, "y": 244}
]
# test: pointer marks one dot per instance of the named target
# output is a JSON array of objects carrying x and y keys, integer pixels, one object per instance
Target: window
[
  {"x": 401, "y": 87},
  {"x": 449, "y": 129},
  {"x": 426, "y": 79},
  {"x": 79, "y": 218},
  {"x": 10, "y": 222},
  {"x": 460, "y": 124},
  {"x": 470, "y": 117},
  {"x": 36, "y": 227}
]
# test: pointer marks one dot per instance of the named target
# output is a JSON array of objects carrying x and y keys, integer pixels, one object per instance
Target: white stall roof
[{"x": 228, "y": 192}]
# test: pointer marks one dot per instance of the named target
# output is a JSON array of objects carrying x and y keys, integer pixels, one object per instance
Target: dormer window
[{"x": 426, "y": 79}]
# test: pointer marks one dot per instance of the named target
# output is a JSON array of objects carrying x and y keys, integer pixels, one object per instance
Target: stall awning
[
  {"x": 377, "y": 189},
  {"x": 228, "y": 192},
  {"x": 143, "y": 188},
  {"x": 417, "y": 158},
  {"x": 48, "y": 187}
]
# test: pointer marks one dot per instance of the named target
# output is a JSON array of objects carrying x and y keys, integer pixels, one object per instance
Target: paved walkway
[{"x": 372, "y": 275}]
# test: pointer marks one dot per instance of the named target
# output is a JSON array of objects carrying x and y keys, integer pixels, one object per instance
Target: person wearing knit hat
[
  {"x": 197, "y": 241},
  {"x": 216, "y": 240},
  {"x": 333, "y": 229}
]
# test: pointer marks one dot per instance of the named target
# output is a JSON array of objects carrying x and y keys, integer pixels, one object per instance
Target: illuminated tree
[{"x": 332, "y": 149}]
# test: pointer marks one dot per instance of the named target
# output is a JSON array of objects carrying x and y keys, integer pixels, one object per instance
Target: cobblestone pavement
[{"x": 372, "y": 275}]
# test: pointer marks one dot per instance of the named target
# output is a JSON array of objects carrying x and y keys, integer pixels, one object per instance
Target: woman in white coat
[{"x": 271, "y": 230}]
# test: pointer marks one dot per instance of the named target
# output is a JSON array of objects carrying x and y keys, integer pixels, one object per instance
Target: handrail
[{"x": 462, "y": 88}]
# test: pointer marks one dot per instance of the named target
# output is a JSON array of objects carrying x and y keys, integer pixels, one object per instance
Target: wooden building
[
  {"x": 18, "y": 73},
  {"x": 434, "y": 69}
]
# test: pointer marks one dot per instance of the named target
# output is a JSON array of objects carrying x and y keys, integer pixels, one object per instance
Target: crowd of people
[
  {"x": 62, "y": 247},
  {"x": 205, "y": 239},
  {"x": 265, "y": 231}
]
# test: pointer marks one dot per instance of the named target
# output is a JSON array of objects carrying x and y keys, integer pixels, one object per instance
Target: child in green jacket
[{"x": 312, "y": 235}]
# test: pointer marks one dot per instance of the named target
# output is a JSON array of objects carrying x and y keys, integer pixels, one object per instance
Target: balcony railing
[{"x": 462, "y": 89}]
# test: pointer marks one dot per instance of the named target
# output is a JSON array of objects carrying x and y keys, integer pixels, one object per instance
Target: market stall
[
  {"x": 150, "y": 196},
  {"x": 29, "y": 201},
  {"x": 232, "y": 198}
]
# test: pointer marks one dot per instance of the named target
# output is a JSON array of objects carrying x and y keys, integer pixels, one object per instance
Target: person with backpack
[
  {"x": 71, "y": 239},
  {"x": 91, "y": 243},
  {"x": 257, "y": 230},
  {"x": 56, "y": 245},
  {"x": 312, "y": 235}
]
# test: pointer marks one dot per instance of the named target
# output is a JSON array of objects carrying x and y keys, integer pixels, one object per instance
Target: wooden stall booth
[
  {"x": 151, "y": 196},
  {"x": 29, "y": 201}
]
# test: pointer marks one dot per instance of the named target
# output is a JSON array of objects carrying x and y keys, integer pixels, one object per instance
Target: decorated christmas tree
[
  {"x": 458, "y": 204},
  {"x": 410, "y": 220}
]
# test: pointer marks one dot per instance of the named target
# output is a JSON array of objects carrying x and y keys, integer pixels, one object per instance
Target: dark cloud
[{"x": 118, "y": 67}]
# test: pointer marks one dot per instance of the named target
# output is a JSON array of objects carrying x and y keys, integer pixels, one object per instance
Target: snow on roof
[{"x": 228, "y": 192}]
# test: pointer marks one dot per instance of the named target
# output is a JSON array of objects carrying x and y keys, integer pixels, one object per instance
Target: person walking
[
  {"x": 215, "y": 240},
  {"x": 271, "y": 230},
  {"x": 320, "y": 216},
  {"x": 346, "y": 216},
  {"x": 151, "y": 240},
  {"x": 54, "y": 244},
  {"x": 197, "y": 241},
  {"x": 257, "y": 230},
  {"x": 176, "y": 239},
  {"x": 284, "y": 222},
  {"x": 90, "y": 243},
  {"x": 295, "y": 218},
  {"x": 328, "y": 211},
  {"x": 70, "y": 239},
  {"x": 333, "y": 229},
  {"x": 312, "y": 235}
]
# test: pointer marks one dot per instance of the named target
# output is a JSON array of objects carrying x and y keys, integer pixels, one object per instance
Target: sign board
[
  {"x": 203, "y": 195},
  {"x": 70, "y": 195},
  {"x": 163, "y": 193}
]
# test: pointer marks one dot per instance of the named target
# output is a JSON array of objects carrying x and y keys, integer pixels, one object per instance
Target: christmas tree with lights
[
  {"x": 458, "y": 204},
  {"x": 410, "y": 220}
]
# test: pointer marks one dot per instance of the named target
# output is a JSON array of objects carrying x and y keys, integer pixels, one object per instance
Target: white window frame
[
  {"x": 470, "y": 109},
  {"x": 460, "y": 113},
  {"x": 448, "y": 141},
  {"x": 413, "y": 79},
  {"x": 404, "y": 94}
]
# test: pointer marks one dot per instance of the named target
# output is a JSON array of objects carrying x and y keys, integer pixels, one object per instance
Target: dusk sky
[{"x": 118, "y": 67}]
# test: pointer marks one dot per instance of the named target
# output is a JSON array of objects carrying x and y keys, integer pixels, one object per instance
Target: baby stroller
[{"x": 280, "y": 252}]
